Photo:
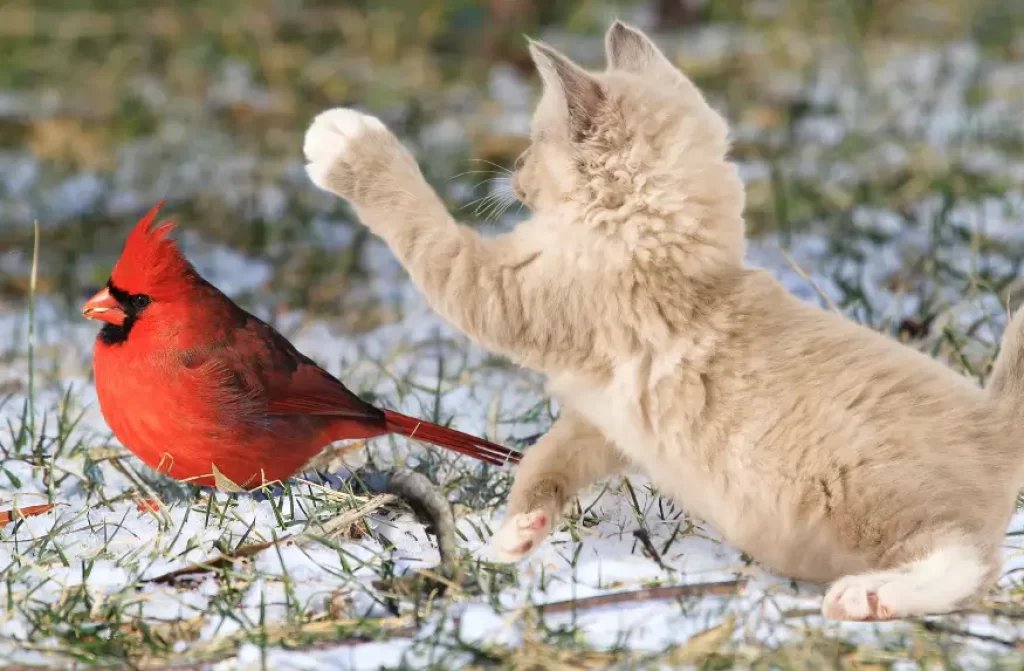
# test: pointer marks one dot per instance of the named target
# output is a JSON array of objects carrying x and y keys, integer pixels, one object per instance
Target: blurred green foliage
[{"x": 206, "y": 102}]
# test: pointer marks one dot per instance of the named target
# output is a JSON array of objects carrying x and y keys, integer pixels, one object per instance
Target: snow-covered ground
[
  {"x": 90, "y": 557},
  {"x": 906, "y": 208}
]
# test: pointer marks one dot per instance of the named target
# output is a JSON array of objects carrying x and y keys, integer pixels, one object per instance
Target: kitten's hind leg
[
  {"x": 572, "y": 456},
  {"x": 950, "y": 575}
]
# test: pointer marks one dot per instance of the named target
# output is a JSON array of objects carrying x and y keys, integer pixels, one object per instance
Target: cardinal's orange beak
[{"x": 104, "y": 307}]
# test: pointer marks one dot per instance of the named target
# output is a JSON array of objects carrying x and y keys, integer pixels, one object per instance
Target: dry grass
[{"x": 884, "y": 159}]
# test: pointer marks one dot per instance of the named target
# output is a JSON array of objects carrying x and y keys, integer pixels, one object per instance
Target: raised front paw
[
  {"x": 347, "y": 152},
  {"x": 519, "y": 535}
]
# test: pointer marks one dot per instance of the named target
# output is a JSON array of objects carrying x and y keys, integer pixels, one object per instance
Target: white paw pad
[
  {"x": 329, "y": 137},
  {"x": 519, "y": 535},
  {"x": 858, "y": 598}
]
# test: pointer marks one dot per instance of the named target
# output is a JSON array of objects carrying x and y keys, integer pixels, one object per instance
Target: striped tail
[{"x": 450, "y": 439}]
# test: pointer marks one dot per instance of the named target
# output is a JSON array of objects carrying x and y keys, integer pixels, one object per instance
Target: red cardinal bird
[{"x": 198, "y": 388}]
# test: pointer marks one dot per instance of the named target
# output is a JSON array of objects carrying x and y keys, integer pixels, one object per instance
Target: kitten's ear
[
  {"x": 628, "y": 49},
  {"x": 583, "y": 95}
]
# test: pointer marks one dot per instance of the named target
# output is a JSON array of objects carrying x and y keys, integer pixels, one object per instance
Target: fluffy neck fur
[{"x": 630, "y": 186}]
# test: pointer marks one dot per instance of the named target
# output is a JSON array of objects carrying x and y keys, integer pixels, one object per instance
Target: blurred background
[{"x": 850, "y": 117}]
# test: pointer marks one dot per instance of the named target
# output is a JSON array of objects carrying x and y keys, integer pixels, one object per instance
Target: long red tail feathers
[{"x": 450, "y": 439}]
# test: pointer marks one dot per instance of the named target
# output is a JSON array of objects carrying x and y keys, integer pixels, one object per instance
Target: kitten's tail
[{"x": 1006, "y": 383}]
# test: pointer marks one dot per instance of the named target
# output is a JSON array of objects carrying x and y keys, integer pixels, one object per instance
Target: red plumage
[{"x": 189, "y": 381}]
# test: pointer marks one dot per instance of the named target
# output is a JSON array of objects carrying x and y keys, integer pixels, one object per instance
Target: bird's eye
[{"x": 140, "y": 301}]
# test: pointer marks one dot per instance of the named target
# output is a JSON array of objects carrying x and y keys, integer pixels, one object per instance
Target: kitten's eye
[
  {"x": 140, "y": 301},
  {"x": 520, "y": 160}
]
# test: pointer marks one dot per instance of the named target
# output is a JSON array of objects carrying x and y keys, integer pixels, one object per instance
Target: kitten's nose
[{"x": 518, "y": 191}]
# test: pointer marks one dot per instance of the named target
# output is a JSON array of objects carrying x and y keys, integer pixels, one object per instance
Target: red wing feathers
[
  {"x": 312, "y": 391},
  {"x": 291, "y": 384},
  {"x": 295, "y": 384},
  {"x": 258, "y": 362}
]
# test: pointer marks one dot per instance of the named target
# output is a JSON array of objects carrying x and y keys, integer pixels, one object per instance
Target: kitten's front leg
[
  {"x": 488, "y": 288},
  {"x": 570, "y": 457},
  {"x": 354, "y": 156}
]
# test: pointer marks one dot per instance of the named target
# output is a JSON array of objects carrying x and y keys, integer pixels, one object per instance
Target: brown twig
[
  {"x": 939, "y": 628},
  {"x": 724, "y": 588},
  {"x": 328, "y": 529}
]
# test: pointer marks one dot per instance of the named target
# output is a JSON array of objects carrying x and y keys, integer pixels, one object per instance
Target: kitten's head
[{"x": 638, "y": 135}]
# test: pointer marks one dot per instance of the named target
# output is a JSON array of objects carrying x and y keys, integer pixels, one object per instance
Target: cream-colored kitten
[{"x": 821, "y": 448}]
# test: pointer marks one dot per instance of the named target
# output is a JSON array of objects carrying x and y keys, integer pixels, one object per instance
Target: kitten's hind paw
[
  {"x": 856, "y": 598},
  {"x": 519, "y": 535},
  {"x": 950, "y": 576},
  {"x": 336, "y": 145}
]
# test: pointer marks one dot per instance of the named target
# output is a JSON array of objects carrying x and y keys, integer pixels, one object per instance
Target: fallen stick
[
  {"x": 939, "y": 628},
  {"x": 724, "y": 588},
  {"x": 414, "y": 489},
  {"x": 330, "y": 528}
]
